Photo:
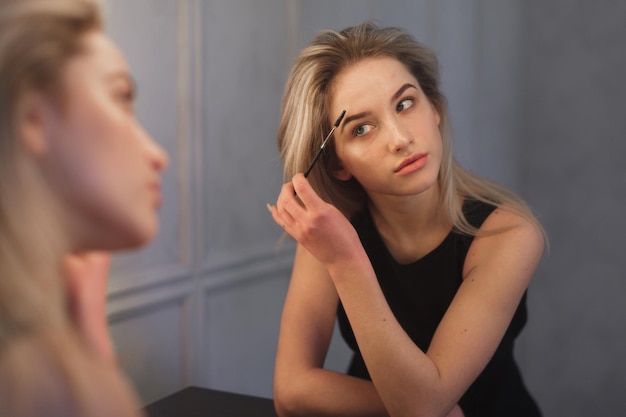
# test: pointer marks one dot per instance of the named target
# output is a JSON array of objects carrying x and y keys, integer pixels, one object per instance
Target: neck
[
  {"x": 408, "y": 215},
  {"x": 410, "y": 226}
]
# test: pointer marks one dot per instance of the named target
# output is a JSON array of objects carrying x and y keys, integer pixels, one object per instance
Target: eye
[
  {"x": 404, "y": 104},
  {"x": 126, "y": 97},
  {"x": 362, "y": 130},
  {"x": 127, "y": 94}
]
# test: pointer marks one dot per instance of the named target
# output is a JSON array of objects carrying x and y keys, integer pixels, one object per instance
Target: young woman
[
  {"x": 424, "y": 264},
  {"x": 78, "y": 174}
]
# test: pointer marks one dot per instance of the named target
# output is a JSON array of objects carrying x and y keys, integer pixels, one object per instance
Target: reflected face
[
  {"x": 389, "y": 139},
  {"x": 101, "y": 162}
]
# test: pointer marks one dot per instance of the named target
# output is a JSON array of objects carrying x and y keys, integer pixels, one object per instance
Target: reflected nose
[
  {"x": 157, "y": 156},
  {"x": 160, "y": 159}
]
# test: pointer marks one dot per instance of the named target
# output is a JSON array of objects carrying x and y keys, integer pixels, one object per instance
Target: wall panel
[
  {"x": 149, "y": 344},
  {"x": 243, "y": 70}
]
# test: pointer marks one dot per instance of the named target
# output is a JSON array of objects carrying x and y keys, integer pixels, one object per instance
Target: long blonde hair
[
  {"x": 37, "y": 38},
  {"x": 39, "y": 346},
  {"x": 305, "y": 120}
]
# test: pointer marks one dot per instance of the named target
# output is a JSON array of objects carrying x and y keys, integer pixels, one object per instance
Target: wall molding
[
  {"x": 164, "y": 286},
  {"x": 254, "y": 266}
]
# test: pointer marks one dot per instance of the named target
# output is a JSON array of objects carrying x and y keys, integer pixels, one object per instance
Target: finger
[
  {"x": 288, "y": 205},
  {"x": 277, "y": 218},
  {"x": 306, "y": 193},
  {"x": 281, "y": 216}
]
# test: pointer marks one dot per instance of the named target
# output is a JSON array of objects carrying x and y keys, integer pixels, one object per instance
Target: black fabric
[{"x": 419, "y": 294}]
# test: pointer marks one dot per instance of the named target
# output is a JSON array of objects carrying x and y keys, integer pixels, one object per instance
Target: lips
[
  {"x": 411, "y": 163},
  {"x": 156, "y": 190}
]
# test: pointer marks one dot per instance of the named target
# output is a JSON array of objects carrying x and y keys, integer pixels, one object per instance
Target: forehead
[
  {"x": 99, "y": 58},
  {"x": 378, "y": 78}
]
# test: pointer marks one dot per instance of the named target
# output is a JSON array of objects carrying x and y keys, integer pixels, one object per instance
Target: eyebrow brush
[{"x": 317, "y": 156}]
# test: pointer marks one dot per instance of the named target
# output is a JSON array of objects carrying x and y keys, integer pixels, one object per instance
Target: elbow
[
  {"x": 286, "y": 400},
  {"x": 283, "y": 406}
]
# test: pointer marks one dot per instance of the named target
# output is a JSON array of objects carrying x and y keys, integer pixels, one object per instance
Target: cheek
[
  {"x": 354, "y": 154},
  {"x": 345, "y": 159},
  {"x": 360, "y": 164},
  {"x": 97, "y": 164}
]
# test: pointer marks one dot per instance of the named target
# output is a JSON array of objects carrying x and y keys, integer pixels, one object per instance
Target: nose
[
  {"x": 156, "y": 154},
  {"x": 400, "y": 137}
]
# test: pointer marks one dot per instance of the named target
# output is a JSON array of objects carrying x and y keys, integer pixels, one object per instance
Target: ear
[
  {"x": 342, "y": 174},
  {"x": 33, "y": 112},
  {"x": 437, "y": 115}
]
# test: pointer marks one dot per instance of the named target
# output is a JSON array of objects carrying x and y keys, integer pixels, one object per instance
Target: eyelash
[
  {"x": 128, "y": 96},
  {"x": 411, "y": 99},
  {"x": 355, "y": 133}
]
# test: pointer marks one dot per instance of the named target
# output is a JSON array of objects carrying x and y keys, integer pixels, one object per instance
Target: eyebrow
[
  {"x": 354, "y": 117},
  {"x": 401, "y": 90},
  {"x": 396, "y": 95},
  {"x": 124, "y": 75}
]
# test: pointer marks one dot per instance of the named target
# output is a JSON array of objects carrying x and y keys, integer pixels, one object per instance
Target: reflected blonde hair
[
  {"x": 37, "y": 39},
  {"x": 39, "y": 346},
  {"x": 305, "y": 120}
]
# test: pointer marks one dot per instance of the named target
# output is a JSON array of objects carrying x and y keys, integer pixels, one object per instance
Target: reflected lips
[{"x": 156, "y": 188}]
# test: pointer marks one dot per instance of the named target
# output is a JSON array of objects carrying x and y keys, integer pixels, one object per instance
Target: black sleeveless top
[{"x": 419, "y": 294}]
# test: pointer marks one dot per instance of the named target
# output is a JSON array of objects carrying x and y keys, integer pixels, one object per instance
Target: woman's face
[
  {"x": 389, "y": 139},
  {"x": 102, "y": 164}
]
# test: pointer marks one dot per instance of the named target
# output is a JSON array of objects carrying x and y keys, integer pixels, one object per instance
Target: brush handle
[
  {"x": 317, "y": 155},
  {"x": 312, "y": 164}
]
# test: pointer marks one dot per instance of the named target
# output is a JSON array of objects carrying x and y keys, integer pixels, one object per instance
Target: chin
[
  {"x": 142, "y": 236},
  {"x": 132, "y": 236}
]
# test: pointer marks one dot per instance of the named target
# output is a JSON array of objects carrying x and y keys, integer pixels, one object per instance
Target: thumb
[{"x": 305, "y": 192}]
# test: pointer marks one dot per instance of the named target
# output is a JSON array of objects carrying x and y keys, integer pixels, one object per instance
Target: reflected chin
[
  {"x": 142, "y": 236},
  {"x": 132, "y": 236}
]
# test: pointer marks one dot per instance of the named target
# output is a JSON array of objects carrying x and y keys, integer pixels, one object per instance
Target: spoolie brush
[{"x": 317, "y": 156}]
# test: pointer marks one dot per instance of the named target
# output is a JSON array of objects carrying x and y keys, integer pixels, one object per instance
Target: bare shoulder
[
  {"x": 511, "y": 241},
  {"x": 512, "y": 225}
]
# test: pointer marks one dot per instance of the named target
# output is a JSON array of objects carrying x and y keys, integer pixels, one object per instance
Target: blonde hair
[
  {"x": 37, "y": 39},
  {"x": 305, "y": 120}
]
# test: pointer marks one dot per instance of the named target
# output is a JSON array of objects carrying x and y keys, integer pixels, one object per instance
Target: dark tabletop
[{"x": 203, "y": 402}]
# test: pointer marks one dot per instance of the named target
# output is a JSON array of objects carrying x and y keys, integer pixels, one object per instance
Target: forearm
[
  {"x": 407, "y": 380},
  {"x": 320, "y": 392}
]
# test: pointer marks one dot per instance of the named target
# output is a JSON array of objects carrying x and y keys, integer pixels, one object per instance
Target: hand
[
  {"x": 86, "y": 276},
  {"x": 318, "y": 226}
]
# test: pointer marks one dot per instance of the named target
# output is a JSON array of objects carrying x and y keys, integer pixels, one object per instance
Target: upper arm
[
  {"x": 308, "y": 317},
  {"x": 497, "y": 270}
]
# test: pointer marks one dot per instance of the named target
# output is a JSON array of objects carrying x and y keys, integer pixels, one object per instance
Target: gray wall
[
  {"x": 573, "y": 148},
  {"x": 534, "y": 90}
]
